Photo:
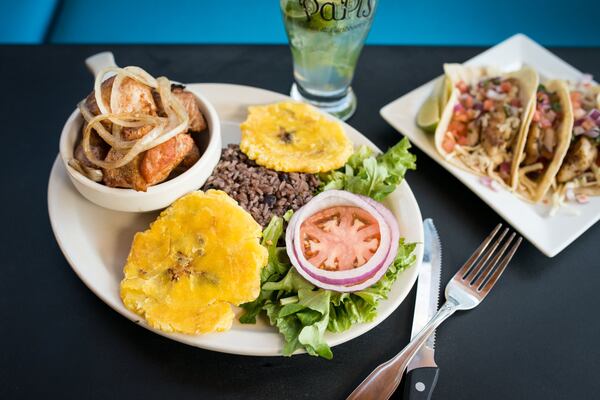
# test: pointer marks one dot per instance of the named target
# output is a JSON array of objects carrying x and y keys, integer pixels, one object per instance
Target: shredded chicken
[{"x": 579, "y": 159}]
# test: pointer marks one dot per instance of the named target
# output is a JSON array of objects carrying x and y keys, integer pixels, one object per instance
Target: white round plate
[{"x": 96, "y": 241}]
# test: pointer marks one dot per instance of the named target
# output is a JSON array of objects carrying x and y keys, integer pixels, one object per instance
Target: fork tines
[{"x": 481, "y": 271}]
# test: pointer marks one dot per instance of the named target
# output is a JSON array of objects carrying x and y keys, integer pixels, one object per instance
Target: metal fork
[{"x": 469, "y": 286}]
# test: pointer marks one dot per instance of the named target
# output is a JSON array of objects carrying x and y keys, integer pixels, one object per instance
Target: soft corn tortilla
[
  {"x": 528, "y": 80},
  {"x": 589, "y": 190},
  {"x": 543, "y": 183}
]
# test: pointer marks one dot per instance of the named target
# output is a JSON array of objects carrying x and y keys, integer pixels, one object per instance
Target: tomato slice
[{"x": 340, "y": 238}]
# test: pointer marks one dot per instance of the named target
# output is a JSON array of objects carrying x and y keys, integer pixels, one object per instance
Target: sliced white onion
[
  {"x": 178, "y": 112},
  {"x": 94, "y": 174},
  {"x": 332, "y": 198},
  {"x": 108, "y": 137},
  {"x": 395, "y": 242},
  {"x": 134, "y": 73},
  {"x": 164, "y": 129},
  {"x": 115, "y": 93},
  {"x": 492, "y": 94},
  {"x": 348, "y": 280},
  {"x": 140, "y": 146}
]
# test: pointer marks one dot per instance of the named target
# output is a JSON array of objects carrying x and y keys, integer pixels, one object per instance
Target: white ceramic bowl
[{"x": 158, "y": 196}]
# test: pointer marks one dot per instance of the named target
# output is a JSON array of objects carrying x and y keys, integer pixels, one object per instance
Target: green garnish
[
  {"x": 369, "y": 175},
  {"x": 555, "y": 105},
  {"x": 302, "y": 312}
]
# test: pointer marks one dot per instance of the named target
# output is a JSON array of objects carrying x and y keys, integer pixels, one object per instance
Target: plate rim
[{"x": 359, "y": 329}]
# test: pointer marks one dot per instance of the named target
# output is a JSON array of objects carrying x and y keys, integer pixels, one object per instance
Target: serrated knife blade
[{"x": 428, "y": 290}]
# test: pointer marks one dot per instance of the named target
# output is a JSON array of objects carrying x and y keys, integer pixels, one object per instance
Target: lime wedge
[
  {"x": 429, "y": 114},
  {"x": 445, "y": 92},
  {"x": 431, "y": 111}
]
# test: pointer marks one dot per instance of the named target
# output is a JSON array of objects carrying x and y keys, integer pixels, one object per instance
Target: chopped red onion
[
  {"x": 489, "y": 183},
  {"x": 594, "y": 114},
  {"x": 582, "y": 198},
  {"x": 349, "y": 280},
  {"x": 593, "y": 133},
  {"x": 545, "y": 123}
]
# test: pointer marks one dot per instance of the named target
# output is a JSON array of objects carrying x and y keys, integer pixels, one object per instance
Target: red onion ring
[
  {"x": 358, "y": 278},
  {"x": 332, "y": 198}
]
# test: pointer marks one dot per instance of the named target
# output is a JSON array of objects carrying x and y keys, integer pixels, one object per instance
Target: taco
[
  {"x": 547, "y": 140},
  {"x": 580, "y": 169},
  {"x": 485, "y": 121}
]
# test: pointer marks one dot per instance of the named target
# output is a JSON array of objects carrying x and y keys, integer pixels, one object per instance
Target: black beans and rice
[{"x": 259, "y": 190}]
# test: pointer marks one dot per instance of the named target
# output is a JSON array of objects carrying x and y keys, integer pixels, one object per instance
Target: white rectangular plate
[{"x": 549, "y": 234}]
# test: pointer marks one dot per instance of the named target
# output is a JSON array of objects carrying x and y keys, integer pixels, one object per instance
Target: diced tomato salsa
[
  {"x": 586, "y": 114},
  {"x": 488, "y": 96}
]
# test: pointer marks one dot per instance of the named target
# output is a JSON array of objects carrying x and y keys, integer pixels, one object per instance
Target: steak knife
[{"x": 422, "y": 371}]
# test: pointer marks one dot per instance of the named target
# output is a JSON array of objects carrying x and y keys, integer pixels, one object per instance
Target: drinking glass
[{"x": 326, "y": 38}]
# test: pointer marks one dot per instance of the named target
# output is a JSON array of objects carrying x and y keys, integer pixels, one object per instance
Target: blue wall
[
  {"x": 576, "y": 22},
  {"x": 25, "y": 21}
]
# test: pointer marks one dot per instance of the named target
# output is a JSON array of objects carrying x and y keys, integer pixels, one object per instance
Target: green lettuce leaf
[
  {"x": 370, "y": 175},
  {"x": 302, "y": 312},
  {"x": 352, "y": 308}
]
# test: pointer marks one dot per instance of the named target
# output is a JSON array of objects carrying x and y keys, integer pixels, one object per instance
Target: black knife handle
[{"x": 420, "y": 383}]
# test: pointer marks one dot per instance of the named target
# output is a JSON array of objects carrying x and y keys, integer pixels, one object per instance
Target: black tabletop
[{"x": 534, "y": 337}]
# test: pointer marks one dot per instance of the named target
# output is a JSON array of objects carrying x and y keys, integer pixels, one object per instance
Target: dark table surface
[{"x": 535, "y": 337}]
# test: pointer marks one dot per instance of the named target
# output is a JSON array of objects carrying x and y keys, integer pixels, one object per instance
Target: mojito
[{"x": 326, "y": 38}]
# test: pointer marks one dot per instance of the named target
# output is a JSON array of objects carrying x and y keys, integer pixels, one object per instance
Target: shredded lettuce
[{"x": 302, "y": 312}]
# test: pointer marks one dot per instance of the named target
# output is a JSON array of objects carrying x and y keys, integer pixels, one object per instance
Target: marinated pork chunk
[
  {"x": 197, "y": 122},
  {"x": 134, "y": 97},
  {"x": 190, "y": 103},
  {"x": 159, "y": 161},
  {"x": 106, "y": 89},
  {"x": 127, "y": 176},
  {"x": 155, "y": 165},
  {"x": 190, "y": 159},
  {"x": 99, "y": 150}
]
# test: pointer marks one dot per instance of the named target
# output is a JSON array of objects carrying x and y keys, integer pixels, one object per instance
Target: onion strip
[
  {"x": 163, "y": 129},
  {"x": 116, "y": 141},
  {"x": 140, "y": 146},
  {"x": 134, "y": 73}
]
